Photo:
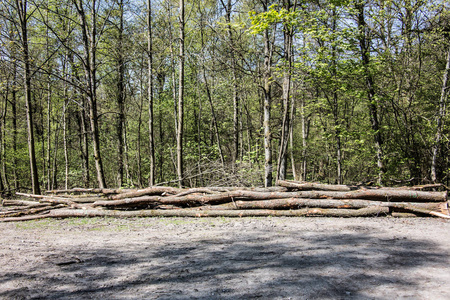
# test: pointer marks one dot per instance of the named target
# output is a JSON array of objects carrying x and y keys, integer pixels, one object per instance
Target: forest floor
[{"x": 226, "y": 258}]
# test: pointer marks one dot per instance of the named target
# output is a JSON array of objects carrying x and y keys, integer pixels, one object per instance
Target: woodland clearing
[{"x": 226, "y": 258}]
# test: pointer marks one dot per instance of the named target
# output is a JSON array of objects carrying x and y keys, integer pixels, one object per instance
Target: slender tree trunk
[
  {"x": 286, "y": 86},
  {"x": 85, "y": 143},
  {"x": 231, "y": 45},
  {"x": 151, "y": 177},
  {"x": 138, "y": 140},
  {"x": 373, "y": 107},
  {"x": 54, "y": 177},
  {"x": 89, "y": 32},
  {"x": 65, "y": 122},
  {"x": 291, "y": 140},
  {"x": 14, "y": 125},
  {"x": 66, "y": 150},
  {"x": 440, "y": 118},
  {"x": 138, "y": 146},
  {"x": 49, "y": 109},
  {"x": 3, "y": 178},
  {"x": 305, "y": 134},
  {"x": 267, "y": 105},
  {"x": 23, "y": 19},
  {"x": 120, "y": 98},
  {"x": 180, "y": 168},
  {"x": 335, "y": 104}
]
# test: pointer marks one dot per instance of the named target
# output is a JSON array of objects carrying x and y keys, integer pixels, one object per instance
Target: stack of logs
[{"x": 288, "y": 198}]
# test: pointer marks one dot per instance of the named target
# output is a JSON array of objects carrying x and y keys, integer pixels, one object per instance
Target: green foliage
[{"x": 408, "y": 46}]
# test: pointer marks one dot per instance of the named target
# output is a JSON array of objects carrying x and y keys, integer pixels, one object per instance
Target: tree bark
[
  {"x": 148, "y": 191},
  {"x": 22, "y": 6},
  {"x": 151, "y": 177},
  {"x": 440, "y": 118},
  {"x": 236, "y": 131},
  {"x": 267, "y": 106},
  {"x": 304, "y": 186},
  {"x": 364, "y": 44},
  {"x": 314, "y": 212},
  {"x": 89, "y": 33},
  {"x": 120, "y": 97},
  {"x": 295, "y": 203},
  {"x": 286, "y": 86},
  {"x": 180, "y": 123},
  {"x": 389, "y": 195}
]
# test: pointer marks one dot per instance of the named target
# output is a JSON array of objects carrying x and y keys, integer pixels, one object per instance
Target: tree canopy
[{"x": 128, "y": 93}]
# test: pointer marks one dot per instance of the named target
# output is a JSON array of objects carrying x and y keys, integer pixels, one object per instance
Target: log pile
[{"x": 288, "y": 198}]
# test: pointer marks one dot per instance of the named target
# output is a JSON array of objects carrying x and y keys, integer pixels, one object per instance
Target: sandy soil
[{"x": 248, "y": 258}]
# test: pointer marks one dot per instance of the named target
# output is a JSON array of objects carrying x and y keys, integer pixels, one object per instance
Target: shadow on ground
[{"x": 256, "y": 264}]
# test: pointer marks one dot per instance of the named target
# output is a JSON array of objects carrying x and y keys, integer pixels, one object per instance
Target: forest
[{"x": 136, "y": 93}]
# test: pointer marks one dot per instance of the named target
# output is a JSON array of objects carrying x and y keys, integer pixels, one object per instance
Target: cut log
[
  {"x": 31, "y": 211},
  {"x": 196, "y": 191},
  {"x": 148, "y": 191},
  {"x": 23, "y": 203},
  {"x": 254, "y": 189},
  {"x": 90, "y": 191},
  {"x": 428, "y": 186},
  {"x": 72, "y": 213},
  {"x": 294, "y": 203},
  {"x": 380, "y": 195},
  {"x": 52, "y": 200},
  {"x": 308, "y": 186},
  {"x": 404, "y": 215},
  {"x": 129, "y": 202}
]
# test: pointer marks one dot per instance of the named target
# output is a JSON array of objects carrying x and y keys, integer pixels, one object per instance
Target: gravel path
[{"x": 222, "y": 258}]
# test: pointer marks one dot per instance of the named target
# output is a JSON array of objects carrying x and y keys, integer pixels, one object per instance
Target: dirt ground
[{"x": 226, "y": 258}]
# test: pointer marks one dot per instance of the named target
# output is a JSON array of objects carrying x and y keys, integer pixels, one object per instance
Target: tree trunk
[
  {"x": 180, "y": 168},
  {"x": 89, "y": 32},
  {"x": 314, "y": 212},
  {"x": 286, "y": 86},
  {"x": 305, "y": 134},
  {"x": 440, "y": 119},
  {"x": 66, "y": 150},
  {"x": 120, "y": 98},
  {"x": 295, "y": 203},
  {"x": 23, "y": 19},
  {"x": 267, "y": 106},
  {"x": 232, "y": 57},
  {"x": 364, "y": 43},
  {"x": 14, "y": 126},
  {"x": 304, "y": 186},
  {"x": 151, "y": 177}
]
